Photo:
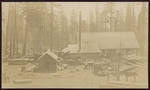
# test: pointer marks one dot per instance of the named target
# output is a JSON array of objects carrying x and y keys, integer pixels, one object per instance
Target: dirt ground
[{"x": 68, "y": 78}]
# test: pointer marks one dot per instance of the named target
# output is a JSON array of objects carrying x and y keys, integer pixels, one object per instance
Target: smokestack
[
  {"x": 51, "y": 34},
  {"x": 80, "y": 18}
]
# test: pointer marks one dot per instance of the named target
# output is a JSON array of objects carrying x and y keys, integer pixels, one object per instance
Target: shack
[
  {"x": 86, "y": 51},
  {"x": 47, "y": 62}
]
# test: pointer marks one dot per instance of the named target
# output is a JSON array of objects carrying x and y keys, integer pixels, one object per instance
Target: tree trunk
[
  {"x": 11, "y": 36},
  {"x": 105, "y": 23},
  {"x": 44, "y": 26},
  {"x": 111, "y": 29},
  {"x": 97, "y": 18},
  {"x": 80, "y": 19},
  {"x": 7, "y": 28},
  {"x": 16, "y": 30},
  {"x": 25, "y": 41}
]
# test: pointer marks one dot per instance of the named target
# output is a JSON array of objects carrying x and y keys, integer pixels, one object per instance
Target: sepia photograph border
[{"x": 78, "y": 1}]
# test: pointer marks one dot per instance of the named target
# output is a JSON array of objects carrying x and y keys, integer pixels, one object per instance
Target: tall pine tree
[
  {"x": 73, "y": 29},
  {"x": 130, "y": 18},
  {"x": 142, "y": 28}
]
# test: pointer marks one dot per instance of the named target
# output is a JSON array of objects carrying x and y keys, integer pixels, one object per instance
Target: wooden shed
[
  {"x": 111, "y": 42},
  {"x": 47, "y": 62}
]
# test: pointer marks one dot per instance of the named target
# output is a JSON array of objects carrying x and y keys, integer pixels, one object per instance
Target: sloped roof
[
  {"x": 85, "y": 48},
  {"x": 89, "y": 48},
  {"x": 50, "y": 54},
  {"x": 127, "y": 68},
  {"x": 73, "y": 48},
  {"x": 65, "y": 50},
  {"x": 111, "y": 40}
]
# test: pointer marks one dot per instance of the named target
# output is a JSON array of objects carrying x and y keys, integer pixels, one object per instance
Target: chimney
[{"x": 80, "y": 17}]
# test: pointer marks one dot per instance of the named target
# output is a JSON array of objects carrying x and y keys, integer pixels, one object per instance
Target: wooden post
[{"x": 118, "y": 61}]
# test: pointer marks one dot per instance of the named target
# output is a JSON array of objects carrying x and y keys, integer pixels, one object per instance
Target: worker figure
[
  {"x": 108, "y": 72},
  {"x": 23, "y": 68},
  {"x": 86, "y": 64}
]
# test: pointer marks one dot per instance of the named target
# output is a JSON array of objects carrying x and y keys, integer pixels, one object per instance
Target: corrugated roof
[
  {"x": 50, "y": 54},
  {"x": 85, "y": 48},
  {"x": 111, "y": 40}
]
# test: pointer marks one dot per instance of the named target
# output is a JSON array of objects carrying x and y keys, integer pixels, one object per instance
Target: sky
[{"x": 87, "y": 7}]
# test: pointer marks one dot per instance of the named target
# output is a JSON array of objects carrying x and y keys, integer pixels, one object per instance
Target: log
[
  {"x": 55, "y": 74},
  {"x": 22, "y": 81},
  {"x": 17, "y": 61},
  {"x": 31, "y": 60}
]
